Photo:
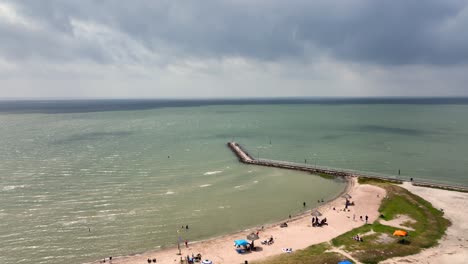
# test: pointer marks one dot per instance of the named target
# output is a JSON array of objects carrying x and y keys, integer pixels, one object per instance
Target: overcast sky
[{"x": 233, "y": 48}]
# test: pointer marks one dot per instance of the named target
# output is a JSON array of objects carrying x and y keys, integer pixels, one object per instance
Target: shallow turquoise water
[{"x": 133, "y": 178}]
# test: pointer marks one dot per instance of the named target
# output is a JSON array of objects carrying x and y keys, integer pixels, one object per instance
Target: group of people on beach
[
  {"x": 268, "y": 242},
  {"x": 317, "y": 223},
  {"x": 193, "y": 258},
  {"x": 358, "y": 238},
  {"x": 104, "y": 260},
  {"x": 348, "y": 203}
]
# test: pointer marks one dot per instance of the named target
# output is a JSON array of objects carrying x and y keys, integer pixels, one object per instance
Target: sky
[{"x": 233, "y": 48}]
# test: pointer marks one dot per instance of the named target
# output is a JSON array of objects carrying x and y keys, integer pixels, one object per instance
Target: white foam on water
[
  {"x": 12, "y": 187},
  {"x": 221, "y": 207},
  {"x": 69, "y": 223},
  {"x": 238, "y": 186},
  {"x": 255, "y": 181},
  {"x": 249, "y": 171},
  {"x": 170, "y": 192},
  {"x": 212, "y": 172},
  {"x": 205, "y": 185}
]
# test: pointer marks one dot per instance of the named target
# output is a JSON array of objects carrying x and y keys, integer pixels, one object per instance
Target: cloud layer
[{"x": 233, "y": 48}]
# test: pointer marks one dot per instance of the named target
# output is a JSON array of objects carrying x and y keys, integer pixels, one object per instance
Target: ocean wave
[
  {"x": 205, "y": 185},
  {"x": 170, "y": 192},
  {"x": 69, "y": 223},
  {"x": 12, "y": 187},
  {"x": 212, "y": 172}
]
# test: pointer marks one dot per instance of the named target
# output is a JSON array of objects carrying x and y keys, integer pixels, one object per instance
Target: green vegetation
[
  {"x": 315, "y": 254},
  {"x": 374, "y": 181},
  {"x": 379, "y": 243}
]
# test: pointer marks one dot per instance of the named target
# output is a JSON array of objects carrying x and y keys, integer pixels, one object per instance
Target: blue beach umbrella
[
  {"x": 241, "y": 242},
  {"x": 345, "y": 262}
]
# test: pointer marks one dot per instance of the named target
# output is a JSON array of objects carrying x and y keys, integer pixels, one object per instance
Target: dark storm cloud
[{"x": 381, "y": 32}]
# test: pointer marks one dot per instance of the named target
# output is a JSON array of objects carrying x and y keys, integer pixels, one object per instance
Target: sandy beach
[
  {"x": 453, "y": 247},
  {"x": 298, "y": 235}
]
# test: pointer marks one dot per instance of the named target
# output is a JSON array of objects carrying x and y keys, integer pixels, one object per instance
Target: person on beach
[
  {"x": 360, "y": 217},
  {"x": 304, "y": 204},
  {"x": 367, "y": 218},
  {"x": 186, "y": 227},
  {"x": 186, "y": 243},
  {"x": 354, "y": 217}
]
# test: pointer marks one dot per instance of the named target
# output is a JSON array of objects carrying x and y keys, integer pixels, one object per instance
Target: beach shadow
[
  {"x": 404, "y": 242},
  {"x": 258, "y": 249}
]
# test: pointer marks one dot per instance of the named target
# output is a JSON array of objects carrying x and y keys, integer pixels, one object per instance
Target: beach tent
[
  {"x": 345, "y": 262},
  {"x": 400, "y": 233},
  {"x": 241, "y": 242}
]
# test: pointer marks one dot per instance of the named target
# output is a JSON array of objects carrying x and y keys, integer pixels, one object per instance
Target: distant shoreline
[{"x": 67, "y": 105}]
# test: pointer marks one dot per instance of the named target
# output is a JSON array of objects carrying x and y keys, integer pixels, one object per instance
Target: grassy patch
[
  {"x": 429, "y": 228},
  {"x": 379, "y": 182},
  {"x": 315, "y": 254}
]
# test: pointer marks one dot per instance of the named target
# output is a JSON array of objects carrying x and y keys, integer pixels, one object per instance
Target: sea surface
[{"x": 84, "y": 180}]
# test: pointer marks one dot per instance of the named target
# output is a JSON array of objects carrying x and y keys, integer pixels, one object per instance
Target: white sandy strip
[
  {"x": 298, "y": 235},
  {"x": 398, "y": 221},
  {"x": 453, "y": 248}
]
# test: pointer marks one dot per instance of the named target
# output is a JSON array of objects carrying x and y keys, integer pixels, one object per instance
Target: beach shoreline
[
  {"x": 298, "y": 235},
  {"x": 452, "y": 248}
]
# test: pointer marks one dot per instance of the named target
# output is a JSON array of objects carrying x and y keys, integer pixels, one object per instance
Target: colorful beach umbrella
[
  {"x": 400, "y": 233},
  {"x": 345, "y": 262},
  {"x": 241, "y": 242}
]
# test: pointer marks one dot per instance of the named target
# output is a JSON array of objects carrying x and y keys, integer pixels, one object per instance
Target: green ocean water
[{"x": 77, "y": 187}]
